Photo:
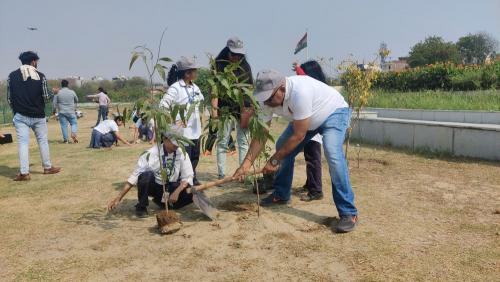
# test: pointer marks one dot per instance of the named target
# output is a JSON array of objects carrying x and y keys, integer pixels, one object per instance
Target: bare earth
[{"x": 420, "y": 219}]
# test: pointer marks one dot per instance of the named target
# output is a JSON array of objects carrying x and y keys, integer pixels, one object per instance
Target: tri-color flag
[{"x": 302, "y": 44}]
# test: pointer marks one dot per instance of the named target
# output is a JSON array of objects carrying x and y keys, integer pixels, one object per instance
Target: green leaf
[
  {"x": 174, "y": 112},
  {"x": 182, "y": 111},
  {"x": 135, "y": 55},
  {"x": 161, "y": 71},
  {"x": 191, "y": 109},
  {"x": 225, "y": 83},
  {"x": 165, "y": 59}
]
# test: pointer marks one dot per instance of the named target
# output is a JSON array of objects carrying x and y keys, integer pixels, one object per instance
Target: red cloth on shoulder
[{"x": 299, "y": 71}]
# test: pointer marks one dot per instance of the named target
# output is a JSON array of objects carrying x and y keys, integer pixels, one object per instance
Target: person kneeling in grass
[
  {"x": 107, "y": 133},
  {"x": 147, "y": 177}
]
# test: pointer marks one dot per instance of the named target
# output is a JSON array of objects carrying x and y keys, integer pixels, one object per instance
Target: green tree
[
  {"x": 474, "y": 48},
  {"x": 202, "y": 82},
  {"x": 433, "y": 50}
]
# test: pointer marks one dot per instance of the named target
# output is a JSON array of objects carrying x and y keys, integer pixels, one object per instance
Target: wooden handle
[{"x": 219, "y": 182}]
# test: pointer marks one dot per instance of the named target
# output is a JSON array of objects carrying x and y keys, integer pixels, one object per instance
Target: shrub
[{"x": 441, "y": 76}]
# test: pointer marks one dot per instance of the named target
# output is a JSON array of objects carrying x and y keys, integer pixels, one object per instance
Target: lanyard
[{"x": 190, "y": 97}]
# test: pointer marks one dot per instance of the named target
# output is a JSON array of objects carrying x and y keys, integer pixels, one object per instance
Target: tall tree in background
[
  {"x": 474, "y": 48},
  {"x": 433, "y": 50}
]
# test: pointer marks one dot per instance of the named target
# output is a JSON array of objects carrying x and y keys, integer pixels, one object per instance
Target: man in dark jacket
[{"x": 26, "y": 93}]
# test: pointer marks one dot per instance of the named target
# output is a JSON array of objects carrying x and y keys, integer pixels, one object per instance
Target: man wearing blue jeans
[
  {"x": 65, "y": 103},
  {"x": 312, "y": 107},
  {"x": 26, "y": 93}
]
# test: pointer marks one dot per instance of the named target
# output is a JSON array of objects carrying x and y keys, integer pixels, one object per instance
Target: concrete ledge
[
  {"x": 486, "y": 117},
  {"x": 458, "y": 139}
]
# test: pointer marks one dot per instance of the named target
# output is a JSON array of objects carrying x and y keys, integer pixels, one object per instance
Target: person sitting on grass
[
  {"x": 146, "y": 129},
  {"x": 106, "y": 133},
  {"x": 147, "y": 177}
]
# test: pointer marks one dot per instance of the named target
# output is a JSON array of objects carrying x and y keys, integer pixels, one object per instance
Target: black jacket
[{"x": 27, "y": 97}]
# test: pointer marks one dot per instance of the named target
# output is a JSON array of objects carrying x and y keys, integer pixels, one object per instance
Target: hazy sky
[{"x": 94, "y": 37}]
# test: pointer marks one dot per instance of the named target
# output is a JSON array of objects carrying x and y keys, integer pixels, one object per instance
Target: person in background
[
  {"x": 233, "y": 52},
  {"x": 146, "y": 129},
  {"x": 312, "y": 107},
  {"x": 312, "y": 150},
  {"x": 26, "y": 94},
  {"x": 104, "y": 102},
  {"x": 107, "y": 133},
  {"x": 212, "y": 138},
  {"x": 183, "y": 91},
  {"x": 136, "y": 119},
  {"x": 65, "y": 104},
  {"x": 148, "y": 179}
]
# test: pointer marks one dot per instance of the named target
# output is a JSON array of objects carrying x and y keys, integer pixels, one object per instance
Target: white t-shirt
[
  {"x": 107, "y": 126},
  {"x": 306, "y": 97},
  {"x": 151, "y": 123},
  {"x": 178, "y": 169},
  {"x": 180, "y": 93}
]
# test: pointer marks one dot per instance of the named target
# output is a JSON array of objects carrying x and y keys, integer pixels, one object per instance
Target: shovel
[
  {"x": 168, "y": 221},
  {"x": 203, "y": 202}
]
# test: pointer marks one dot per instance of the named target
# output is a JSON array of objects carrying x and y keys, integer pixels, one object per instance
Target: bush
[
  {"x": 466, "y": 81},
  {"x": 441, "y": 76}
]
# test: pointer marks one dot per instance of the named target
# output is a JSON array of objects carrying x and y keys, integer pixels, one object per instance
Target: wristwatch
[{"x": 275, "y": 162}]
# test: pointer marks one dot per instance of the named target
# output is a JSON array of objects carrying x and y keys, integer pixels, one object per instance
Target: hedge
[{"x": 441, "y": 76}]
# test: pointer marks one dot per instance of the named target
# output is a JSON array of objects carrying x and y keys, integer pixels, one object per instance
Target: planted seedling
[{"x": 164, "y": 117}]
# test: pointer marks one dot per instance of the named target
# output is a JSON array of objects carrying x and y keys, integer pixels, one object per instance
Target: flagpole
[{"x": 307, "y": 47}]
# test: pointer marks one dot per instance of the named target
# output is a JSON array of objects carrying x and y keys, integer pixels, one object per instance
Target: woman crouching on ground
[
  {"x": 147, "y": 177},
  {"x": 106, "y": 133}
]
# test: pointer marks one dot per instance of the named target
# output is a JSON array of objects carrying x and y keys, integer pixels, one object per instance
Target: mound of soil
[{"x": 168, "y": 222}]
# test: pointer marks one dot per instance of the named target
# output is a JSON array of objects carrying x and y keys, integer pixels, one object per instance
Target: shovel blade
[{"x": 204, "y": 204}]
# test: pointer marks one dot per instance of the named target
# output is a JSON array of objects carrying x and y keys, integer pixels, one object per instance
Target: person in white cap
[
  {"x": 147, "y": 177},
  {"x": 234, "y": 52},
  {"x": 312, "y": 107},
  {"x": 183, "y": 91}
]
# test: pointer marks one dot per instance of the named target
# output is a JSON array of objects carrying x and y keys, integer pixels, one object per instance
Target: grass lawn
[
  {"x": 483, "y": 100},
  {"x": 421, "y": 219}
]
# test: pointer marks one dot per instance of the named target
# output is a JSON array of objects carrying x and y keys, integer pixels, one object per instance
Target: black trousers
[
  {"x": 147, "y": 187},
  {"x": 312, "y": 155},
  {"x": 193, "y": 152}
]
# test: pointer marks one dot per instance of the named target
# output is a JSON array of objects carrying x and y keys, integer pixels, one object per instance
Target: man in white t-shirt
[
  {"x": 312, "y": 107},
  {"x": 106, "y": 133}
]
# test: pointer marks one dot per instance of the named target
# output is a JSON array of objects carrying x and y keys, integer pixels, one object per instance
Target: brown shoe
[
  {"x": 75, "y": 140},
  {"x": 22, "y": 177},
  {"x": 52, "y": 170}
]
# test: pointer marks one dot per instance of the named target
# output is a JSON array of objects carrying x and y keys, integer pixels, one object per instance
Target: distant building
[
  {"x": 398, "y": 65},
  {"x": 369, "y": 67},
  {"x": 97, "y": 78},
  {"x": 74, "y": 81},
  {"x": 120, "y": 77}
]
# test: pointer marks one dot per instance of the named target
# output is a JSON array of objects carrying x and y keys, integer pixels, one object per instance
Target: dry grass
[{"x": 421, "y": 219}]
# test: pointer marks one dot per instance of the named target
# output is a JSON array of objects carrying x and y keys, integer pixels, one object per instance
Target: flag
[{"x": 302, "y": 44}]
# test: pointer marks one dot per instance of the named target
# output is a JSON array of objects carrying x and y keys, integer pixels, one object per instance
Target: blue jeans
[
  {"x": 64, "y": 119},
  {"x": 98, "y": 140},
  {"x": 23, "y": 124},
  {"x": 222, "y": 145},
  {"x": 102, "y": 112},
  {"x": 333, "y": 130}
]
